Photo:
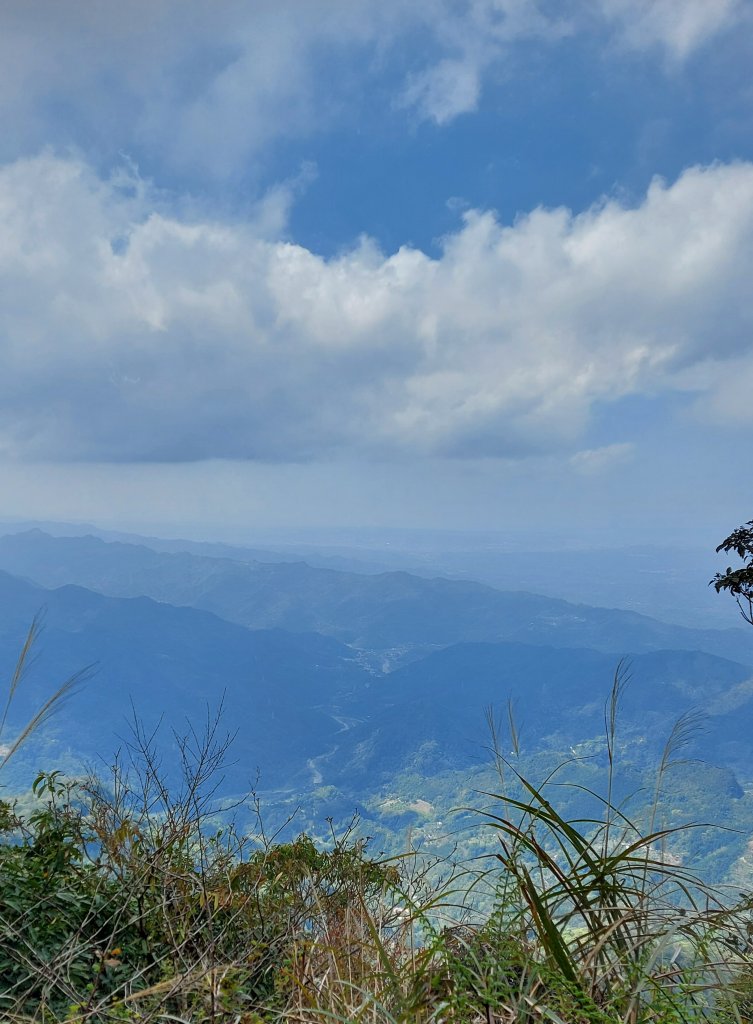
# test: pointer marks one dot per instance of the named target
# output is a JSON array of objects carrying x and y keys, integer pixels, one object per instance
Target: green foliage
[
  {"x": 127, "y": 902},
  {"x": 739, "y": 581},
  {"x": 123, "y": 901},
  {"x": 57, "y": 912}
]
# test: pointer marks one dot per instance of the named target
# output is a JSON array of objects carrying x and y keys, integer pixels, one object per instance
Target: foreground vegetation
[
  {"x": 127, "y": 898},
  {"x": 126, "y": 901}
]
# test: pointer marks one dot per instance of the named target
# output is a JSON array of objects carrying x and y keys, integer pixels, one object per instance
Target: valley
[{"x": 346, "y": 692}]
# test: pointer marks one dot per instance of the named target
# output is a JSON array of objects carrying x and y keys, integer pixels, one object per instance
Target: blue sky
[{"x": 480, "y": 264}]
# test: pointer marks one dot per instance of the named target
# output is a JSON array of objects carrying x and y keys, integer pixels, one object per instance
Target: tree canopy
[{"x": 739, "y": 581}]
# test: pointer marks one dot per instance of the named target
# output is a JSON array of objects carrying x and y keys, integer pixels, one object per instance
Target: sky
[{"x": 462, "y": 264}]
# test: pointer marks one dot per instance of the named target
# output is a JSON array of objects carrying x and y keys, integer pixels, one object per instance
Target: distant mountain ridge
[
  {"x": 308, "y": 712},
  {"x": 381, "y": 612},
  {"x": 665, "y": 582},
  {"x": 278, "y": 688}
]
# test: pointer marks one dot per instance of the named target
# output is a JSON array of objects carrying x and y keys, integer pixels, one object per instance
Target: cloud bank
[{"x": 128, "y": 333}]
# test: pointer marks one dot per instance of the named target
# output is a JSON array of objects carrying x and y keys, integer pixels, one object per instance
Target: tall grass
[
  {"x": 48, "y": 707},
  {"x": 126, "y": 899},
  {"x": 601, "y": 906}
]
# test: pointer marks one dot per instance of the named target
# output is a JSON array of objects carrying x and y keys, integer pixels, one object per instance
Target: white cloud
[
  {"x": 723, "y": 389},
  {"x": 480, "y": 36},
  {"x": 200, "y": 87},
  {"x": 129, "y": 333},
  {"x": 679, "y": 27},
  {"x": 476, "y": 36},
  {"x": 205, "y": 89},
  {"x": 209, "y": 87},
  {"x": 442, "y": 92},
  {"x": 591, "y": 461}
]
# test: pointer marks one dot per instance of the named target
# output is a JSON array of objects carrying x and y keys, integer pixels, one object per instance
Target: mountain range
[
  {"x": 341, "y": 679},
  {"x": 394, "y": 612}
]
